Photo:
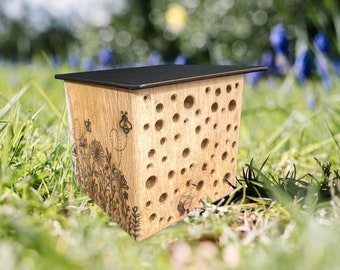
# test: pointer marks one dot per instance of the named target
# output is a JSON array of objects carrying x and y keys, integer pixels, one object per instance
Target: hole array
[{"x": 178, "y": 118}]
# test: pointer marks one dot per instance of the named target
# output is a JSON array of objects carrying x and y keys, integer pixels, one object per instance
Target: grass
[{"x": 284, "y": 213}]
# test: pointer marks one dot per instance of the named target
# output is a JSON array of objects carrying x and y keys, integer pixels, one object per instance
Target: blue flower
[
  {"x": 155, "y": 58},
  {"x": 302, "y": 66},
  {"x": 73, "y": 60},
  {"x": 310, "y": 100},
  {"x": 56, "y": 61},
  {"x": 278, "y": 39},
  {"x": 106, "y": 58},
  {"x": 267, "y": 59},
  {"x": 181, "y": 59},
  {"x": 321, "y": 62},
  {"x": 88, "y": 64},
  {"x": 321, "y": 42}
]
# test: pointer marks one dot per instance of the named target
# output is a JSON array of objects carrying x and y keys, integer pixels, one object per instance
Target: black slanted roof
[{"x": 150, "y": 76}]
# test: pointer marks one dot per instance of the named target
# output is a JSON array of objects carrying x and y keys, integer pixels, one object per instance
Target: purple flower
[
  {"x": 106, "y": 58},
  {"x": 321, "y": 63},
  {"x": 321, "y": 42},
  {"x": 88, "y": 64},
  {"x": 302, "y": 66},
  {"x": 155, "y": 58},
  {"x": 181, "y": 59},
  {"x": 278, "y": 39},
  {"x": 267, "y": 59}
]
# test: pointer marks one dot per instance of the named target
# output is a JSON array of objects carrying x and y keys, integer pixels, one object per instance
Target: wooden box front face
[{"x": 148, "y": 157}]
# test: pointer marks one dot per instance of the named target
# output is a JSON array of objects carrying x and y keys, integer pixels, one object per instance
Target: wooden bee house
[{"x": 150, "y": 143}]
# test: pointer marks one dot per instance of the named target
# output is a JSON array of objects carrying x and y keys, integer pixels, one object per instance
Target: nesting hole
[
  {"x": 198, "y": 129},
  {"x": 215, "y": 126},
  {"x": 164, "y": 158},
  {"x": 146, "y": 126},
  {"x": 207, "y": 90},
  {"x": 216, "y": 145},
  {"x": 151, "y": 181},
  {"x": 171, "y": 174},
  {"x": 162, "y": 141},
  {"x": 233, "y": 144},
  {"x": 170, "y": 219},
  {"x": 176, "y": 191},
  {"x": 224, "y": 155},
  {"x": 163, "y": 197},
  {"x": 149, "y": 166},
  {"x": 212, "y": 171},
  {"x": 175, "y": 117},
  {"x": 204, "y": 166},
  {"x": 188, "y": 102},
  {"x": 198, "y": 112},
  {"x": 159, "y": 124},
  {"x": 237, "y": 85},
  {"x": 214, "y": 107},
  {"x": 186, "y": 120},
  {"x": 146, "y": 97},
  {"x": 151, "y": 153},
  {"x": 215, "y": 183},
  {"x": 218, "y": 92},
  {"x": 192, "y": 165},
  {"x": 188, "y": 183},
  {"x": 236, "y": 127},
  {"x": 226, "y": 177},
  {"x": 185, "y": 152},
  {"x": 207, "y": 120},
  {"x": 159, "y": 107},
  {"x": 228, "y": 88},
  {"x": 228, "y": 127},
  {"x": 205, "y": 143},
  {"x": 173, "y": 97},
  {"x": 148, "y": 203},
  {"x": 177, "y": 137},
  {"x": 152, "y": 217},
  {"x": 200, "y": 185},
  {"x": 183, "y": 171},
  {"x": 232, "y": 105}
]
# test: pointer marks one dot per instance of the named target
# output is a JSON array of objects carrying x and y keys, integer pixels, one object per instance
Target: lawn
[{"x": 284, "y": 213}]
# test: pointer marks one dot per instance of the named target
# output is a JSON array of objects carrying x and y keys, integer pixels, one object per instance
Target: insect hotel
[{"x": 150, "y": 143}]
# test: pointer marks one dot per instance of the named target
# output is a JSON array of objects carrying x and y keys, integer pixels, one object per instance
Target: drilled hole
[
  {"x": 162, "y": 141},
  {"x": 232, "y": 160},
  {"x": 218, "y": 92},
  {"x": 177, "y": 136},
  {"x": 224, "y": 155},
  {"x": 233, "y": 144},
  {"x": 188, "y": 102},
  {"x": 188, "y": 183},
  {"x": 161, "y": 219},
  {"x": 159, "y": 107},
  {"x": 207, "y": 120},
  {"x": 200, "y": 185},
  {"x": 226, "y": 177},
  {"x": 175, "y": 117},
  {"x": 212, "y": 172},
  {"x": 173, "y": 97},
  {"x": 216, "y": 145},
  {"x": 176, "y": 191},
  {"x": 150, "y": 165},
  {"x": 215, "y": 183},
  {"x": 215, "y": 126},
  {"x": 171, "y": 174},
  {"x": 204, "y": 166},
  {"x": 151, "y": 181},
  {"x": 159, "y": 125},
  {"x": 235, "y": 128},
  {"x": 232, "y": 105},
  {"x": 237, "y": 85},
  {"x": 229, "y": 88},
  {"x": 164, "y": 158},
  {"x": 186, "y": 120},
  {"x": 192, "y": 165},
  {"x": 170, "y": 219},
  {"x": 228, "y": 127},
  {"x": 214, "y": 107},
  {"x": 198, "y": 129},
  {"x": 151, "y": 153},
  {"x": 198, "y": 112},
  {"x": 146, "y": 126},
  {"x": 146, "y": 97},
  {"x": 163, "y": 197},
  {"x": 223, "y": 110},
  {"x": 207, "y": 90},
  {"x": 152, "y": 217},
  {"x": 186, "y": 152},
  {"x": 148, "y": 203},
  {"x": 183, "y": 171},
  {"x": 205, "y": 143}
]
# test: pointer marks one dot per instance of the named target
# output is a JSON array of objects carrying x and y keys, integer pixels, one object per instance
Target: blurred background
[{"x": 91, "y": 34}]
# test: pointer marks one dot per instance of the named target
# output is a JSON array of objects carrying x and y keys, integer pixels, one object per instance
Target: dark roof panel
[{"x": 151, "y": 76}]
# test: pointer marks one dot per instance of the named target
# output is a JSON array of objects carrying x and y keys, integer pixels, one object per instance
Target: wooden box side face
[
  {"x": 187, "y": 147},
  {"x": 103, "y": 150}
]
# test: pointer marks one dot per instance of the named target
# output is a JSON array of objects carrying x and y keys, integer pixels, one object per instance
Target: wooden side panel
[{"x": 187, "y": 146}]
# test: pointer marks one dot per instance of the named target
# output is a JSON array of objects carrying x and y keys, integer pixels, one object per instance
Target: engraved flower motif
[{"x": 97, "y": 151}]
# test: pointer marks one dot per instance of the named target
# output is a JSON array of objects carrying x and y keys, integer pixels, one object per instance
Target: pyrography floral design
[{"x": 102, "y": 180}]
